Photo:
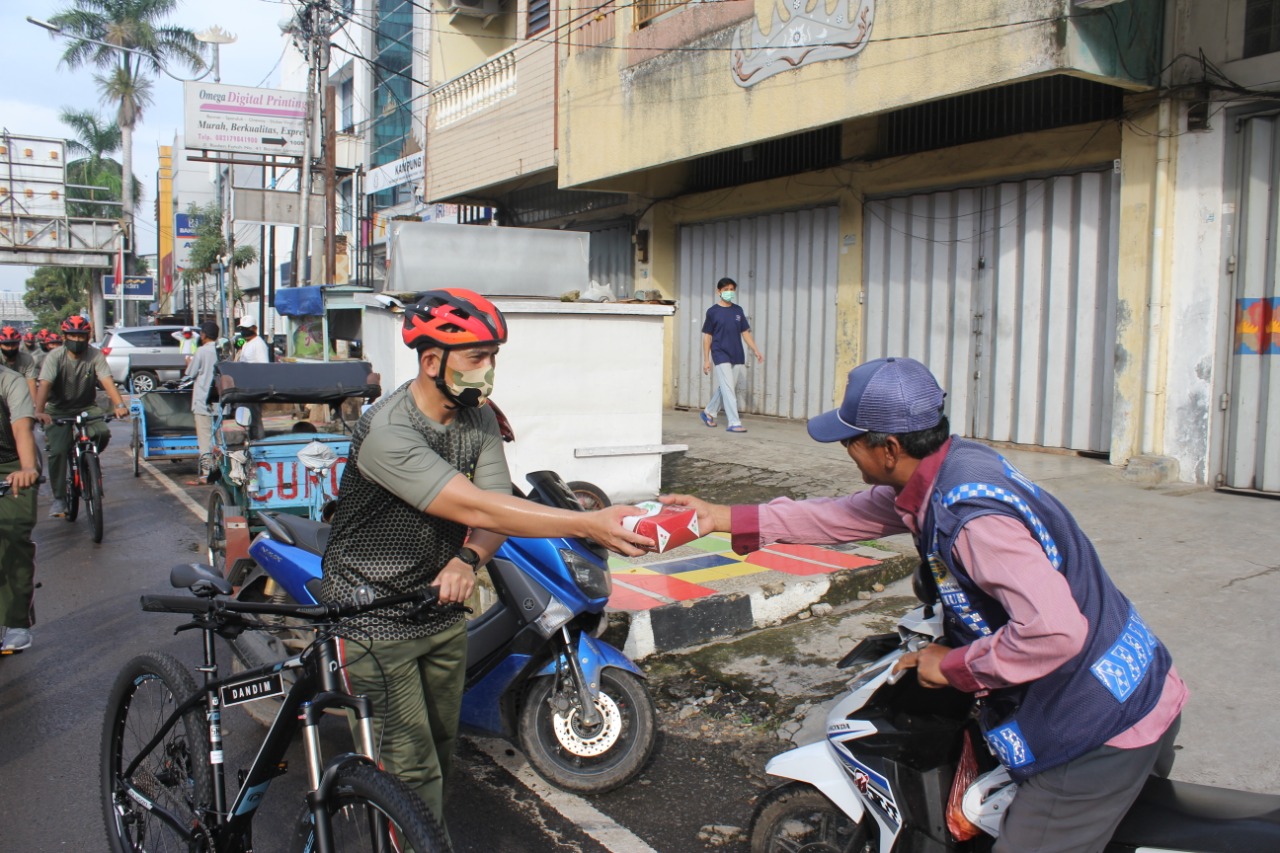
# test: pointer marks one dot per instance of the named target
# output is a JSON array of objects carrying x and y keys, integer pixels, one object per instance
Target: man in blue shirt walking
[{"x": 723, "y": 333}]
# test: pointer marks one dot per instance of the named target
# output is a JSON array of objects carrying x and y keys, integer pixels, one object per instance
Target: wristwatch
[{"x": 470, "y": 557}]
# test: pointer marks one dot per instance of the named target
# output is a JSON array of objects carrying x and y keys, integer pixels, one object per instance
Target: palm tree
[
  {"x": 134, "y": 25},
  {"x": 94, "y": 139}
]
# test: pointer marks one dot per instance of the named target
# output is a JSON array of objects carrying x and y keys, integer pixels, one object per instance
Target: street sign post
[{"x": 139, "y": 287}]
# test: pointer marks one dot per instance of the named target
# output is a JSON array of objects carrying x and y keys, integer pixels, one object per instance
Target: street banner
[
  {"x": 243, "y": 119},
  {"x": 393, "y": 174},
  {"x": 140, "y": 287}
]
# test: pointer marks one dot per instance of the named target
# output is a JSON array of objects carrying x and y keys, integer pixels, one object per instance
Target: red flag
[{"x": 119, "y": 270}]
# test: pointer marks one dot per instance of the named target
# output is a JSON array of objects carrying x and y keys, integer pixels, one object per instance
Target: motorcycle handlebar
[{"x": 315, "y": 612}]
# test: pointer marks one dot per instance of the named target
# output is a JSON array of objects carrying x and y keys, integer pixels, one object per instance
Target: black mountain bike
[
  {"x": 84, "y": 471},
  {"x": 163, "y": 779}
]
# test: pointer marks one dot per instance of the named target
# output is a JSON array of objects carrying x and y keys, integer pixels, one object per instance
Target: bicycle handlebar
[
  {"x": 82, "y": 418},
  {"x": 4, "y": 485},
  {"x": 315, "y": 612}
]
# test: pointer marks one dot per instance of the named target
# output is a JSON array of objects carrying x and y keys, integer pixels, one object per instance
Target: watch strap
[{"x": 469, "y": 556}]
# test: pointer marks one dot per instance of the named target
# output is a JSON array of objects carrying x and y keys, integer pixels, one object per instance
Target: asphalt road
[{"x": 52, "y": 703}]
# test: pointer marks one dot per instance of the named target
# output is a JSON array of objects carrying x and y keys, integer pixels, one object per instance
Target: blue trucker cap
[{"x": 890, "y": 395}]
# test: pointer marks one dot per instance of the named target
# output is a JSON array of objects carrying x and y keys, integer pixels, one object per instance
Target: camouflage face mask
[{"x": 469, "y": 388}]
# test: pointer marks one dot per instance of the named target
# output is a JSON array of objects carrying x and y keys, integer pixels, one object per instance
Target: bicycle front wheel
[
  {"x": 370, "y": 810},
  {"x": 174, "y": 775},
  {"x": 91, "y": 483},
  {"x": 73, "y": 487}
]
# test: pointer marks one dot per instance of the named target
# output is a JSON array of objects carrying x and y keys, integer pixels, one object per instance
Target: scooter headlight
[{"x": 594, "y": 580}]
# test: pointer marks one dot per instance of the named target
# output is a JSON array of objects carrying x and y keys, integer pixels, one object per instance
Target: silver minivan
[{"x": 122, "y": 343}]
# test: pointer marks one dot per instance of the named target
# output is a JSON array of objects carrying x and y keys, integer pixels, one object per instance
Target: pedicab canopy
[{"x": 294, "y": 382}]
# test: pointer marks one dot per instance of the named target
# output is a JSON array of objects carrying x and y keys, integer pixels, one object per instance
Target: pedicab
[
  {"x": 268, "y": 458},
  {"x": 163, "y": 426}
]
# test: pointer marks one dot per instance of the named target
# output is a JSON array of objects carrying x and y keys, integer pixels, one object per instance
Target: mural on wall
[
  {"x": 1258, "y": 326},
  {"x": 806, "y": 37}
]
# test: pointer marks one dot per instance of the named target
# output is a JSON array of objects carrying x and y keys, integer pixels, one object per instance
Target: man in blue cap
[{"x": 1080, "y": 699}]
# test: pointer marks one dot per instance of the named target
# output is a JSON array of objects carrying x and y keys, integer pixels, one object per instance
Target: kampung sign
[
  {"x": 141, "y": 287},
  {"x": 393, "y": 174},
  {"x": 243, "y": 119}
]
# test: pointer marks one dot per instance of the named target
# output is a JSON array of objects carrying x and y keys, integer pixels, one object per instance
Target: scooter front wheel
[
  {"x": 590, "y": 760},
  {"x": 796, "y": 816}
]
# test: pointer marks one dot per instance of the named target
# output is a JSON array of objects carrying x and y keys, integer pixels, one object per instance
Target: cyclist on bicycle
[
  {"x": 20, "y": 468},
  {"x": 15, "y": 358},
  {"x": 427, "y": 464},
  {"x": 69, "y": 381}
]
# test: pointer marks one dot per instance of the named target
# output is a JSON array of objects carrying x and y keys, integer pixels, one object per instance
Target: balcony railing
[
  {"x": 478, "y": 89},
  {"x": 592, "y": 27},
  {"x": 647, "y": 10}
]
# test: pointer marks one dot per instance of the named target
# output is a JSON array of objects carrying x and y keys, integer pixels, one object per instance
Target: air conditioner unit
[{"x": 474, "y": 8}]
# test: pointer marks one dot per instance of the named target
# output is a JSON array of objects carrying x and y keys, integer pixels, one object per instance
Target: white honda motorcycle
[{"x": 904, "y": 768}]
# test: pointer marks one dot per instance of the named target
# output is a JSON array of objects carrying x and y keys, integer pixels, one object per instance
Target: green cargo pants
[
  {"x": 416, "y": 687},
  {"x": 59, "y": 438},
  {"x": 17, "y": 554}
]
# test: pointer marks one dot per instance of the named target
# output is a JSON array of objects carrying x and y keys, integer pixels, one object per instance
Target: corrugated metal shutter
[
  {"x": 1007, "y": 292},
  {"x": 1252, "y": 439},
  {"x": 612, "y": 261},
  {"x": 785, "y": 266}
]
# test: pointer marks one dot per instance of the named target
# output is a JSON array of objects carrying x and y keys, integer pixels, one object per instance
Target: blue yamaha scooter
[{"x": 537, "y": 672}]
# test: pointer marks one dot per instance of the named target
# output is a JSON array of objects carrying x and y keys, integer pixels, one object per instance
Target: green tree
[
  {"x": 125, "y": 81},
  {"x": 55, "y": 293},
  {"x": 209, "y": 250},
  {"x": 94, "y": 139}
]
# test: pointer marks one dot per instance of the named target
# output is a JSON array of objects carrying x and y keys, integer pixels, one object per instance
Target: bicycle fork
[{"x": 321, "y": 778}]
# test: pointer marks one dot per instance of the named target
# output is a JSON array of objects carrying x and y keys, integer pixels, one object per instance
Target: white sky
[{"x": 34, "y": 87}]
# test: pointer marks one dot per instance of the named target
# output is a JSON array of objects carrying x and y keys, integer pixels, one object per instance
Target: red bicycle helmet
[
  {"x": 52, "y": 338},
  {"x": 75, "y": 323},
  {"x": 29, "y": 338},
  {"x": 10, "y": 335},
  {"x": 451, "y": 318}
]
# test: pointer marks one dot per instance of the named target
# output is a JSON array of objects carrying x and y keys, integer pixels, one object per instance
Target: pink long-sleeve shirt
[{"x": 1045, "y": 628}]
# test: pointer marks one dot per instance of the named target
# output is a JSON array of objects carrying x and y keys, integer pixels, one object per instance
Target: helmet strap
[{"x": 455, "y": 402}]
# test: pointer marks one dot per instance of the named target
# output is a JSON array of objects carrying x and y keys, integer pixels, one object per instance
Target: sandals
[
  {"x": 707, "y": 419},
  {"x": 738, "y": 428}
]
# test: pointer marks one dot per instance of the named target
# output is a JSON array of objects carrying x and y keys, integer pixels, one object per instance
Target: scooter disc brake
[{"x": 589, "y": 743}]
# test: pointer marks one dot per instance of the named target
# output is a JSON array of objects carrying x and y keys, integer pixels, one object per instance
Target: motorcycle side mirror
[
  {"x": 244, "y": 416},
  {"x": 550, "y": 490}
]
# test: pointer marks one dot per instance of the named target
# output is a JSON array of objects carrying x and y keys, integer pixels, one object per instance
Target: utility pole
[
  {"x": 330, "y": 184},
  {"x": 310, "y": 30}
]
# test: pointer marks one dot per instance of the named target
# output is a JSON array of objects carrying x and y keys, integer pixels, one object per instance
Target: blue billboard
[{"x": 135, "y": 287}]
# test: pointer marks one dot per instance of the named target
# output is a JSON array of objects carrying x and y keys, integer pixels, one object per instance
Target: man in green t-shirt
[
  {"x": 426, "y": 465},
  {"x": 69, "y": 381},
  {"x": 20, "y": 469}
]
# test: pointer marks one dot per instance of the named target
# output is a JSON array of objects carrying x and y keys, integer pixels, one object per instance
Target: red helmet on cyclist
[
  {"x": 10, "y": 335},
  {"x": 452, "y": 318},
  {"x": 29, "y": 338},
  {"x": 76, "y": 324},
  {"x": 50, "y": 338}
]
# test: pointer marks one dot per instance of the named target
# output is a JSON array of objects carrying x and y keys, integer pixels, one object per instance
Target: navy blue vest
[{"x": 1117, "y": 677}]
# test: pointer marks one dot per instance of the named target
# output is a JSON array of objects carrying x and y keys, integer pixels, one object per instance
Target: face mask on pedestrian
[
  {"x": 469, "y": 388},
  {"x": 729, "y": 295},
  {"x": 76, "y": 347}
]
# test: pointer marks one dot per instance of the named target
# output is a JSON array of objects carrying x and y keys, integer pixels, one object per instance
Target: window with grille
[
  {"x": 539, "y": 16},
  {"x": 1261, "y": 27}
]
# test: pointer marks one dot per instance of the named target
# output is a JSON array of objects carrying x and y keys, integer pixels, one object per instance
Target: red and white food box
[{"x": 666, "y": 526}]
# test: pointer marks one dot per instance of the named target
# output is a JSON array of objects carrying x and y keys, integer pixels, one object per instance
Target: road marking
[
  {"x": 175, "y": 490},
  {"x": 573, "y": 808}
]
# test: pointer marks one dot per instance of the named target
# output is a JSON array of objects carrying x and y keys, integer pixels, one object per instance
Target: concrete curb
[{"x": 681, "y": 625}]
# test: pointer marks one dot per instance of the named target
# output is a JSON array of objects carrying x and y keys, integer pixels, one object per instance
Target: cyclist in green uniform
[
  {"x": 14, "y": 357},
  {"x": 69, "y": 382},
  {"x": 18, "y": 466},
  {"x": 427, "y": 464}
]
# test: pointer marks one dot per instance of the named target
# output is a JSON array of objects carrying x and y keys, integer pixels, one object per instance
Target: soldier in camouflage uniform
[
  {"x": 426, "y": 464},
  {"x": 19, "y": 467}
]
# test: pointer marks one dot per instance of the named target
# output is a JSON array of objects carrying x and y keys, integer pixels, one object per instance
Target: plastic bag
[{"x": 966, "y": 772}]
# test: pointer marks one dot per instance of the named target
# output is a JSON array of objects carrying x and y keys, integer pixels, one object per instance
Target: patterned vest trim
[
  {"x": 1116, "y": 678},
  {"x": 380, "y": 541}
]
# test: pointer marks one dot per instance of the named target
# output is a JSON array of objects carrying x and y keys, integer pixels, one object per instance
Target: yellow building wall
[
  {"x": 1057, "y": 150},
  {"x": 626, "y": 108},
  {"x": 165, "y": 276}
]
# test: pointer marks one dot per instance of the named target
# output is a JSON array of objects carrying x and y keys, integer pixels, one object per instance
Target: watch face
[{"x": 468, "y": 556}]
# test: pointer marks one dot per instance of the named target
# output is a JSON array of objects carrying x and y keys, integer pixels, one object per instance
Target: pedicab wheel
[
  {"x": 137, "y": 448},
  {"x": 591, "y": 496},
  {"x": 216, "y": 532}
]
